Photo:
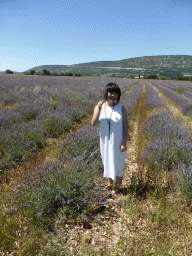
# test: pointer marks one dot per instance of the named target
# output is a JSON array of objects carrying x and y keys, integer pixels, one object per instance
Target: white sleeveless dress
[{"x": 113, "y": 159}]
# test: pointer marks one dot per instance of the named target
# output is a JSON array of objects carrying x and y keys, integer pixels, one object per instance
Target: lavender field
[
  {"x": 59, "y": 192},
  {"x": 33, "y": 109}
]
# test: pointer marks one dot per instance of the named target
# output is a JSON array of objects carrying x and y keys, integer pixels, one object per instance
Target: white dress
[{"x": 113, "y": 159}]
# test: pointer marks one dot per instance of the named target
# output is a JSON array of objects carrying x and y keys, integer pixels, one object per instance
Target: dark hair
[{"x": 112, "y": 87}]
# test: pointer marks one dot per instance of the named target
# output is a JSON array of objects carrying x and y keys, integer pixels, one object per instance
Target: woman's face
[{"x": 112, "y": 96}]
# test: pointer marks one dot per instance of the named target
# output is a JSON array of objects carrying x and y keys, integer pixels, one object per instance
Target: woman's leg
[
  {"x": 118, "y": 183},
  {"x": 110, "y": 184}
]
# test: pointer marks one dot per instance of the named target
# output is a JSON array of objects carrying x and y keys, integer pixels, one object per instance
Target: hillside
[{"x": 169, "y": 66}]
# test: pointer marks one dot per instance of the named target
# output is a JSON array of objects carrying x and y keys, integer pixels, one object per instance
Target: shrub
[
  {"x": 46, "y": 72},
  {"x": 152, "y": 76},
  {"x": 55, "y": 125},
  {"x": 54, "y": 74},
  {"x": 28, "y": 111},
  {"x": 183, "y": 78},
  {"x": 68, "y": 74},
  {"x": 52, "y": 186},
  {"x": 71, "y": 188},
  {"x": 8, "y": 71},
  {"x": 14, "y": 147}
]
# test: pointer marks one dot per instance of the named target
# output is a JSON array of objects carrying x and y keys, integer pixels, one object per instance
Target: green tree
[
  {"x": 46, "y": 72},
  {"x": 32, "y": 72},
  {"x": 8, "y": 71},
  {"x": 54, "y": 74},
  {"x": 183, "y": 78},
  {"x": 68, "y": 74},
  {"x": 131, "y": 76},
  {"x": 152, "y": 76}
]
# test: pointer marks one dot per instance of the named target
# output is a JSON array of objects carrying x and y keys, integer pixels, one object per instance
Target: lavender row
[
  {"x": 180, "y": 87},
  {"x": 152, "y": 98},
  {"x": 183, "y": 103},
  {"x": 129, "y": 99},
  {"x": 170, "y": 142},
  {"x": 170, "y": 147}
]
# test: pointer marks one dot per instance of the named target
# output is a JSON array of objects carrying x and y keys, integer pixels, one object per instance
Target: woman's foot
[
  {"x": 115, "y": 191},
  {"x": 108, "y": 187},
  {"x": 110, "y": 184}
]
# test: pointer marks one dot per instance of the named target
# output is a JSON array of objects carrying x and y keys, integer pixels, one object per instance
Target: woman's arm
[
  {"x": 125, "y": 129},
  {"x": 97, "y": 110}
]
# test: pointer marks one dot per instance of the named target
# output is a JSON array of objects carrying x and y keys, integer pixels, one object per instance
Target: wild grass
[{"x": 158, "y": 225}]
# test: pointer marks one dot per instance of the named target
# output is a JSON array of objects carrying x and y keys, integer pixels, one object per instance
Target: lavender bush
[
  {"x": 170, "y": 141},
  {"x": 66, "y": 184},
  {"x": 182, "y": 176}
]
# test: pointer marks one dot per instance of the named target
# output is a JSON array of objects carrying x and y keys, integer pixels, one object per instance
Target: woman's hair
[{"x": 112, "y": 87}]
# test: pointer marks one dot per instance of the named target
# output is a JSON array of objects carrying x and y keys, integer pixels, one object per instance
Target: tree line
[
  {"x": 132, "y": 76},
  {"x": 48, "y": 73}
]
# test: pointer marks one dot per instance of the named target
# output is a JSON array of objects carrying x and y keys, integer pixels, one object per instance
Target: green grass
[{"x": 179, "y": 91}]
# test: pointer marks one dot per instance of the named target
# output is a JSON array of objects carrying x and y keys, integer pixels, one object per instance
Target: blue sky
[{"x": 64, "y": 32}]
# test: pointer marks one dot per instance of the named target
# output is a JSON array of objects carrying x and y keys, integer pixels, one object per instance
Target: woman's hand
[
  {"x": 100, "y": 103},
  {"x": 123, "y": 147},
  {"x": 97, "y": 109}
]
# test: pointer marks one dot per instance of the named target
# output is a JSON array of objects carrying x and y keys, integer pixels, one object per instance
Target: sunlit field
[{"x": 59, "y": 207}]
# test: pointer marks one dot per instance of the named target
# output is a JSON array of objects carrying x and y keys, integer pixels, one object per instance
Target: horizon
[{"x": 74, "y": 32}]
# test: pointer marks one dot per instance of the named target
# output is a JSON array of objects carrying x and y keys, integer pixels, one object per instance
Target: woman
[{"x": 112, "y": 118}]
